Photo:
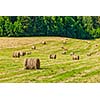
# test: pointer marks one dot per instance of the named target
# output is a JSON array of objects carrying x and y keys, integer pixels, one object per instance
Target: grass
[{"x": 63, "y": 69}]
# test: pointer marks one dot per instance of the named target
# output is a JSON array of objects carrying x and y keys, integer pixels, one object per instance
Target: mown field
[{"x": 60, "y": 70}]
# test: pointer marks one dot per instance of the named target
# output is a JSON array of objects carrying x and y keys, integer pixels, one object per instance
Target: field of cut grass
[{"x": 60, "y": 70}]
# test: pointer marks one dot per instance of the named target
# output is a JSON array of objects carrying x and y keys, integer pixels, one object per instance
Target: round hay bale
[
  {"x": 43, "y": 42},
  {"x": 88, "y": 54},
  {"x": 52, "y": 56},
  {"x": 16, "y": 54},
  {"x": 32, "y": 63},
  {"x": 64, "y": 52},
  {"x": 34, "y": 47},
  {"x": 72, "y": 53},
  {"x": 75, "y": 57},
  {"x": 88, "y": 42},
  {"x": 65, "y": 49},
  {"x": 62, "y": 47},
  {"x": 64, "y": 42},
  {"x": 96, "y": 45},
  {"x": 67, "y": 39},
  {"x": 22, "y": 53}
]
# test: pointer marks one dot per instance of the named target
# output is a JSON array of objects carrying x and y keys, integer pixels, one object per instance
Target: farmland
[{"x": 60, "y": 70}]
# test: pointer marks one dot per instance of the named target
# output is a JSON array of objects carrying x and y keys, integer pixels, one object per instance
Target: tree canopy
[{"x": 82, "y": 27}]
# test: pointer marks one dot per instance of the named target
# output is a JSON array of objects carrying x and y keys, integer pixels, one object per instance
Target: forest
[{"x": 80, "y": 27}]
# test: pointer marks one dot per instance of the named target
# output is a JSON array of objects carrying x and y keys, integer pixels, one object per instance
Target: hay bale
[
  {"x": 72, "y": 53},
  {"x": 75, "y": 57},
  {"x": 65, "y": 49},
  {"x": 34, "y": 47},
  {"x": 88, "y": 54},
  {"x": 16, "y": 54},
  {"x": 67, "y": 39},
  {"x": 32, "y": 63},
  {"x": 64, "y": 42},
  {"x": 22, "y": 53},
  {"x": 62, "y": 47},
  {"x": 88, "y": 42},
  {"x": 52, "y": 56},
  {"x": 43, "y": 42},
  {"x": 96, "y": 45},
  {"x": 64, "y": 52}
]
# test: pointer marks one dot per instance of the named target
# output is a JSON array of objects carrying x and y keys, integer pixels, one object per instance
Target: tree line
[{"x": 82, "y": 27}]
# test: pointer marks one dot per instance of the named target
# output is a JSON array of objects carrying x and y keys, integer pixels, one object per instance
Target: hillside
[{"x": 62, "y": 69}]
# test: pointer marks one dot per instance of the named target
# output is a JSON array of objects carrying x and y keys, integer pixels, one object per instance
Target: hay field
[{"x": 60, "y": 70}]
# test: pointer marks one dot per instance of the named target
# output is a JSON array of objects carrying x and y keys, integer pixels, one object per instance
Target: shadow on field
[
  {"x": 43, "y": 68},
  {"x": 37, "y": 69}
]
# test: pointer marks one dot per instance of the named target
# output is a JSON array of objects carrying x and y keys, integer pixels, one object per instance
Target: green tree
[{"x": 2, "y": 22}]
